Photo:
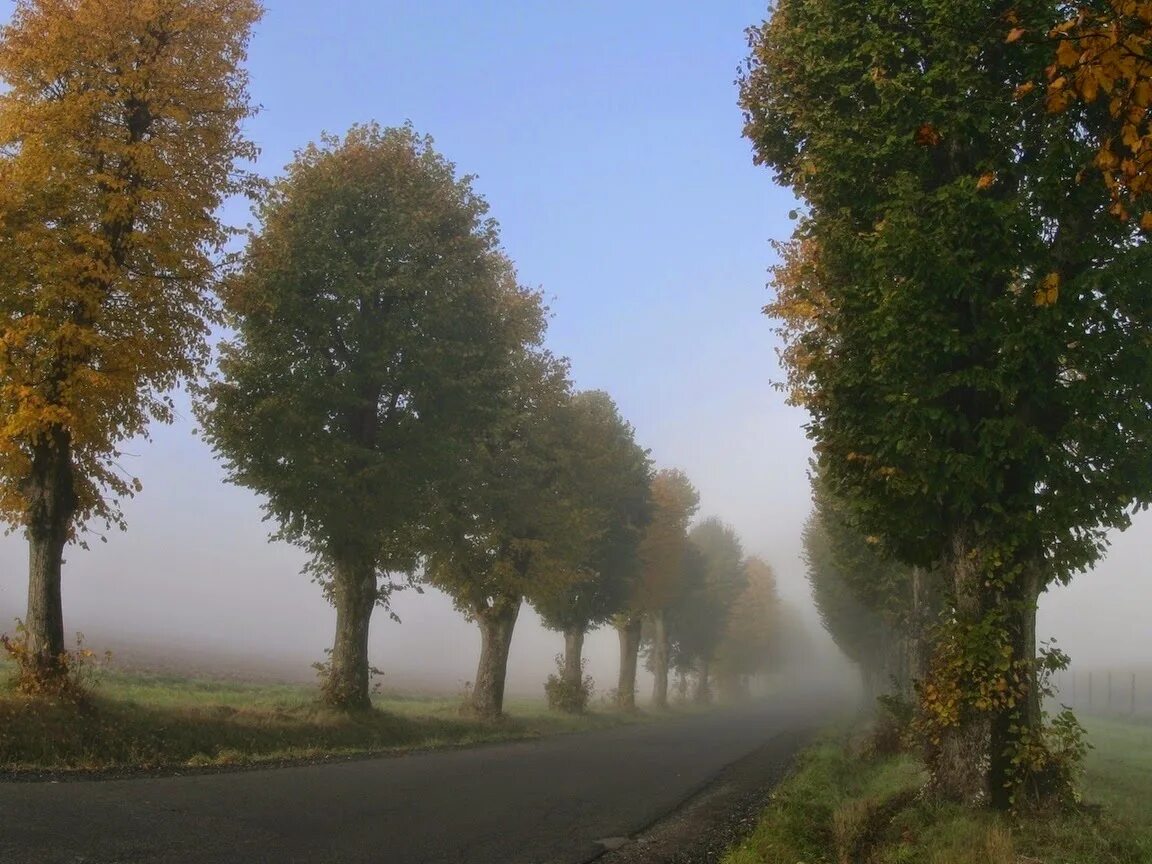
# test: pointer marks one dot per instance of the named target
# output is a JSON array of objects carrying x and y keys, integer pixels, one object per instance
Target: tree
[
  {"x": 119, "y": 133},
  {"x": 699, "y": 618},
  {"x": 662, "y": 566},
  {"x": 749, "y": 646},
  {"x": 374, "y": 315},
  {"x": 612, "y": 477},
  {"x": 512, "y": 524},
  {"x": 960, "y": 317}
]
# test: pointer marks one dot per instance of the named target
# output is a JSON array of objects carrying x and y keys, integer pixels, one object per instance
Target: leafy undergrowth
[
  {"x": 841, "y": 807},
  {"x": 151, "y": 722}
]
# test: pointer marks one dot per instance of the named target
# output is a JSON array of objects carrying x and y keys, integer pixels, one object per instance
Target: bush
[
  {"x": 70, "y": 679},
  {"x": 566, "y": 696}
]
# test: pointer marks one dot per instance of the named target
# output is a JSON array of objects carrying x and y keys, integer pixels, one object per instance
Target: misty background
[{"x": 606, "y": 138}]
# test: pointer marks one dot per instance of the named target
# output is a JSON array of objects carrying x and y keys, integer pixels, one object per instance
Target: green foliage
[
  {"x": 375, "y": 318},
  {"x": 699, "y": 618},
  {"x": 611, "y": 475},
  {"x": 566, "y": 695},
  {"x": 959, "y": 311}
]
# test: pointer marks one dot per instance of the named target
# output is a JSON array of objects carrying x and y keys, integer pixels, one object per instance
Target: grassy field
[
  {"x": 140, "y": 721},
  {"x": 841, "y": 808}
]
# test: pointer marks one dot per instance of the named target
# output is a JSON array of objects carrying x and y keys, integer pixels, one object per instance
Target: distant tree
[
  {"x": 751, "y": 640},
  {"x": 374, "y": 318},
  {"x": 119, "y": 135},
  {"x": 513, "y": 523},
  {"x": 699, "y": 617},
  {"x": 612, "y": 476},
  {"x": 662, "y": 567}
]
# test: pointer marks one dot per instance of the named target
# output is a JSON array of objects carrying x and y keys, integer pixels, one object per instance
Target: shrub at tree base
[
  {"x": 69, "y": 680},
  {"x": 565, "y": 694}
]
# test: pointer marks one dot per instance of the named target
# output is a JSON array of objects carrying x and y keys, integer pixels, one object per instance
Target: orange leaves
[
  {"x": 986, "y": 180},
  {"x": 928, "y": 135},
  {"x": 1107, "y": 56},
  {"x": 1014, "y": 34}
]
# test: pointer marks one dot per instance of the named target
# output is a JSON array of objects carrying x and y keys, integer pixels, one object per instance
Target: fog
[{"x": 607, "y": 141}]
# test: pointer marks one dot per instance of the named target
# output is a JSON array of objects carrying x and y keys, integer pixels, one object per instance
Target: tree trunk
[
  {"x": 703, "y": 684},
  {"x": 354, "y": 592},
  {"x": 629, "y": 632},
  {"x": 660, "y": 651},
  {"x": 1011, "y": 725},
  {"x": 52, "y": 504},
  {"x": 960, "y": 762},
  {"x": 573, "y": 661},
  {"x": 497, "y": 620}
]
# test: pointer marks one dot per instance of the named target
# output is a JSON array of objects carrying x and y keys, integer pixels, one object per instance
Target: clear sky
[{"x": 606, "y": 138}]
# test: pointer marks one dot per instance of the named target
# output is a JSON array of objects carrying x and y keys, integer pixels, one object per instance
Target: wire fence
[{"x": 1106, "y": 692}]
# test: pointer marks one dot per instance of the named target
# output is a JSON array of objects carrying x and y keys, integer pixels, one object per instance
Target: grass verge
[
  {"x": 142, "y": 722},
  {"x": 840, "y": 807}
]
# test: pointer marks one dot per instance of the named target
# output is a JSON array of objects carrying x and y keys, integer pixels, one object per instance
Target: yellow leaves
[
  {"x": 1024, "y": 89},
  {"x": 986, "y": 180},
  {"x": 107, "y": 275},
  {"x": 1049, "y": 291},
  {"x": 1014, "y": 34},
  {"x": 1146, "y": 221}
]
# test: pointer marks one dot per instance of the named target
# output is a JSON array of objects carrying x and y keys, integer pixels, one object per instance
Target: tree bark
[
  {"x": 1011, "y": 725},
  {"x": 573, "y": 660},
  {"x": 354, "y": 592},
  {"x": 660, "y": 651},
  {"x": 961, "y": 761},
  {"x": 703, "y": 683},
  {"x": 51, "y": 495},
  {"x": 629, "y": 633},
  {"x": 496, "y": 620}
]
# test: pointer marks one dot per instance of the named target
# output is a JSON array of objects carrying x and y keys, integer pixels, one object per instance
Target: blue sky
[{"x": 606, "y": 138}]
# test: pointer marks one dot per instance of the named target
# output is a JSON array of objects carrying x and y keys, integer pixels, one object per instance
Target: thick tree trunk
[
  {"x": 961, "y": 761},
  {"x": 497, "y": 622},
  {"x": 354, "y": 592},
  {"x": 703, "y": 683},
  {"x": 660, "y": 652},
  {"x": 51, "y": 508},
  {"x": 573, "y": 658},
  {"x": 629, "y": 633},
  {"x": 1011, "y": 725}
]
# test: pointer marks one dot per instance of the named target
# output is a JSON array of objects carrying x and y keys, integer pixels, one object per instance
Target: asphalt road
[{"x": 540, "y": 802}]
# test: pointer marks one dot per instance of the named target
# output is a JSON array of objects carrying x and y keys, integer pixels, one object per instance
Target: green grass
[
  {"x": 839, "y": 807},
  {"x": 140, "y": 721}
]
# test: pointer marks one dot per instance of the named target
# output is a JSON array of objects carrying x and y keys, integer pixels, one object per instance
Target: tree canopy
[
  {"x": 374, "y": 314},
  {"x": 120, "y": 134}
]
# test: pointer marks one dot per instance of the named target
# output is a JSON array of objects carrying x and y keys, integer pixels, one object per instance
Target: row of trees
[
  {"x": 383, "y": 383},
  {"x": 966, "y": 317}
]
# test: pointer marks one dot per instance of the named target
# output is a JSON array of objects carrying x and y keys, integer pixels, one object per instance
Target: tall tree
[
  {"x": 751, "y": 640},
  {"x": 964, "y": 322},
  {"x": 700, "y": 616},
  {"x": 662, "y": 569},
  {"x": 612, "y": 477},
  {"x": 119, "y": 135},
  {"x": 374, "y": 313},
  {"x": 512, "y": 524}
]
